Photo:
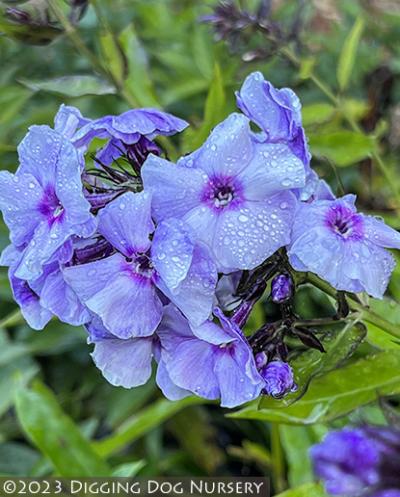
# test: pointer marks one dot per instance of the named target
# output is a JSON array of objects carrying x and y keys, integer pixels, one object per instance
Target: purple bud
[
  {"x": 281, "y": 288},
  {"x": 278, "y": 377},
  {"x": 261, "y": 359}
]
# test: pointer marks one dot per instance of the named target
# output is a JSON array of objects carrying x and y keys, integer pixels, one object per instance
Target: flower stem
[{"x": 366, "y": 314}]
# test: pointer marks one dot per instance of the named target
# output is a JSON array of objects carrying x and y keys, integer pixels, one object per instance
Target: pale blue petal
[
  {"x": 167, "y": 386},
  {"x": 172, "y": 252},
  {"x": 380, "y": 234},
  {"x": 126, "y": 222},
  {"x": 195, "y": 294},
  {"x": 228, "y": 149},
  {"x": 175, "y": 189},
  {"x": 246, "y": 237},
  {"x": 126, "y": 302},
  {"x": 274, "y": 168},
  {"x": 123, "y": 363},
  {"x": 19, "y": 196},
  {"x": 61, "y": 300}
]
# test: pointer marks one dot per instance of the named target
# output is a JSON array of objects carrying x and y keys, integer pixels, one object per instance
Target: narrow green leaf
[
  {"x": 142, "y": 422},
  {"x": 336, "y": 393},
  {"x": 348, "y": 54},
  {"x": 342, "y": 147},
  {"x": 55, "y": 434},
  {"x": 307, "y": 490},
  {"x": 128, "y": 470},
  {"x": 391, "y": 311},
  {"x": 71, "y": 86},
  {"x": 138, "y": 82},
  {"x": 296, "y": 441},
  {"x": 113, "y": 55}
]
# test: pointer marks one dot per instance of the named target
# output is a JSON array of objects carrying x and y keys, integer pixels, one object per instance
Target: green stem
[
  {"x": 288, "y": 53},
  {"x": 366, "y": 314},
  {"x": 277, "y": 459},
  {"x": 12, "y": 319}
]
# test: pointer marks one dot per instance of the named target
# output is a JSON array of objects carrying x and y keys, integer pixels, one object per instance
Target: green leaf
[
  {"x": 296, "y": 441},
  {"x": 55, "y": 434},
  {"x": 308, "y": 490},
  {"x": 141, "y": 423},
  {"x": 138, "y": 82},
  {"x": 128, "y": 470},
  {"x": 215, "y": 111},
  {"x": 391, "y": 310},
  {"x": 336, "y": 393},
  {"x": 342, "y": 147},
  {"x": 339, "y": 345},
  {"x": 71, "y": 86},
  {"x": 17, "y": 459},
  {"x": 348, "y": 54},
  {"x": 113, "y": 55},
  {"x": 317, "y": 113}
]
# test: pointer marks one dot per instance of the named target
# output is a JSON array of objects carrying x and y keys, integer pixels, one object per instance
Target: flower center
[
  {"x": 344, "y": 222},
  {"x": 223, "y": 196},
  {"x": 50, "y": 205},
  {"x": 143, "y": 265},
  {"x": 222, "y": 192}
]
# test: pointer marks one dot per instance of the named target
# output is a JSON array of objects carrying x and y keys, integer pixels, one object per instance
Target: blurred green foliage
[{"x": 124, "y": 53}]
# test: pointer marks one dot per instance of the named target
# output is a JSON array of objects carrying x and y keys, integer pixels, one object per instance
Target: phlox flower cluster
[{"x": 150, "y": 255}]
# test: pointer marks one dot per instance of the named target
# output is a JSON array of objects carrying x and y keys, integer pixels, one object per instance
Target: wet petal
[
  {"x": 126, "y": 302},
  {"x": 123, "y": 363},
  {"x": 175, "y": 189},
  {"x": 248, "y": 236},
  {"x": 380, "y": 234},
  {"x": 172, "y": 252},
  {"x": 228, "y": 149},
  {"x": 195, "y": 294},
  {"x": 167, "y": 386},
  {"x": 274, "y": 168},
  {"x": 19, "y": 196},
  {"x": 126, "y": 222}
]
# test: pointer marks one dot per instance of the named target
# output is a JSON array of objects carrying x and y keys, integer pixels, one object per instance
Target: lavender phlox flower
[
  {"x": 343, "y": 247},
  {"x": 232, "y": 192},
  {"x": 121, "y": 131},
  {"x": 43, "y": 203},
  {"x": 211, "y": 361},
  {"x": 123, "y": 289},
  {"x": 276, "y": 112}
]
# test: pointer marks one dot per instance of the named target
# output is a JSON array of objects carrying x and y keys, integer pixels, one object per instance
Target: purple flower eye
[{"x": 345, "y": 222}]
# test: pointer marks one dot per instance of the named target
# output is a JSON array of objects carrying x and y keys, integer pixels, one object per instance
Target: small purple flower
[
  {"x": 232, "y": 192},
  {"x": 343, "y": 247},
  {"x": 209, "y": 360},
  {"x": 124, "y": 288},
  {"x": 281, "y": 288},
  {"x": 278, "y": 378},
  {"x": 358, "y": 462},
  {"x": 122, "y": 132},
  {"x": 43, "y": 203},
  {"x": 276, "y": 112},
  {"x": 128, "y": 362}
]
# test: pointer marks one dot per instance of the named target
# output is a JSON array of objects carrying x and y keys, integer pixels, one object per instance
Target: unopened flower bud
[
  {"x": 281, "y": 288},
  {"x": 278, "y": 377}
]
